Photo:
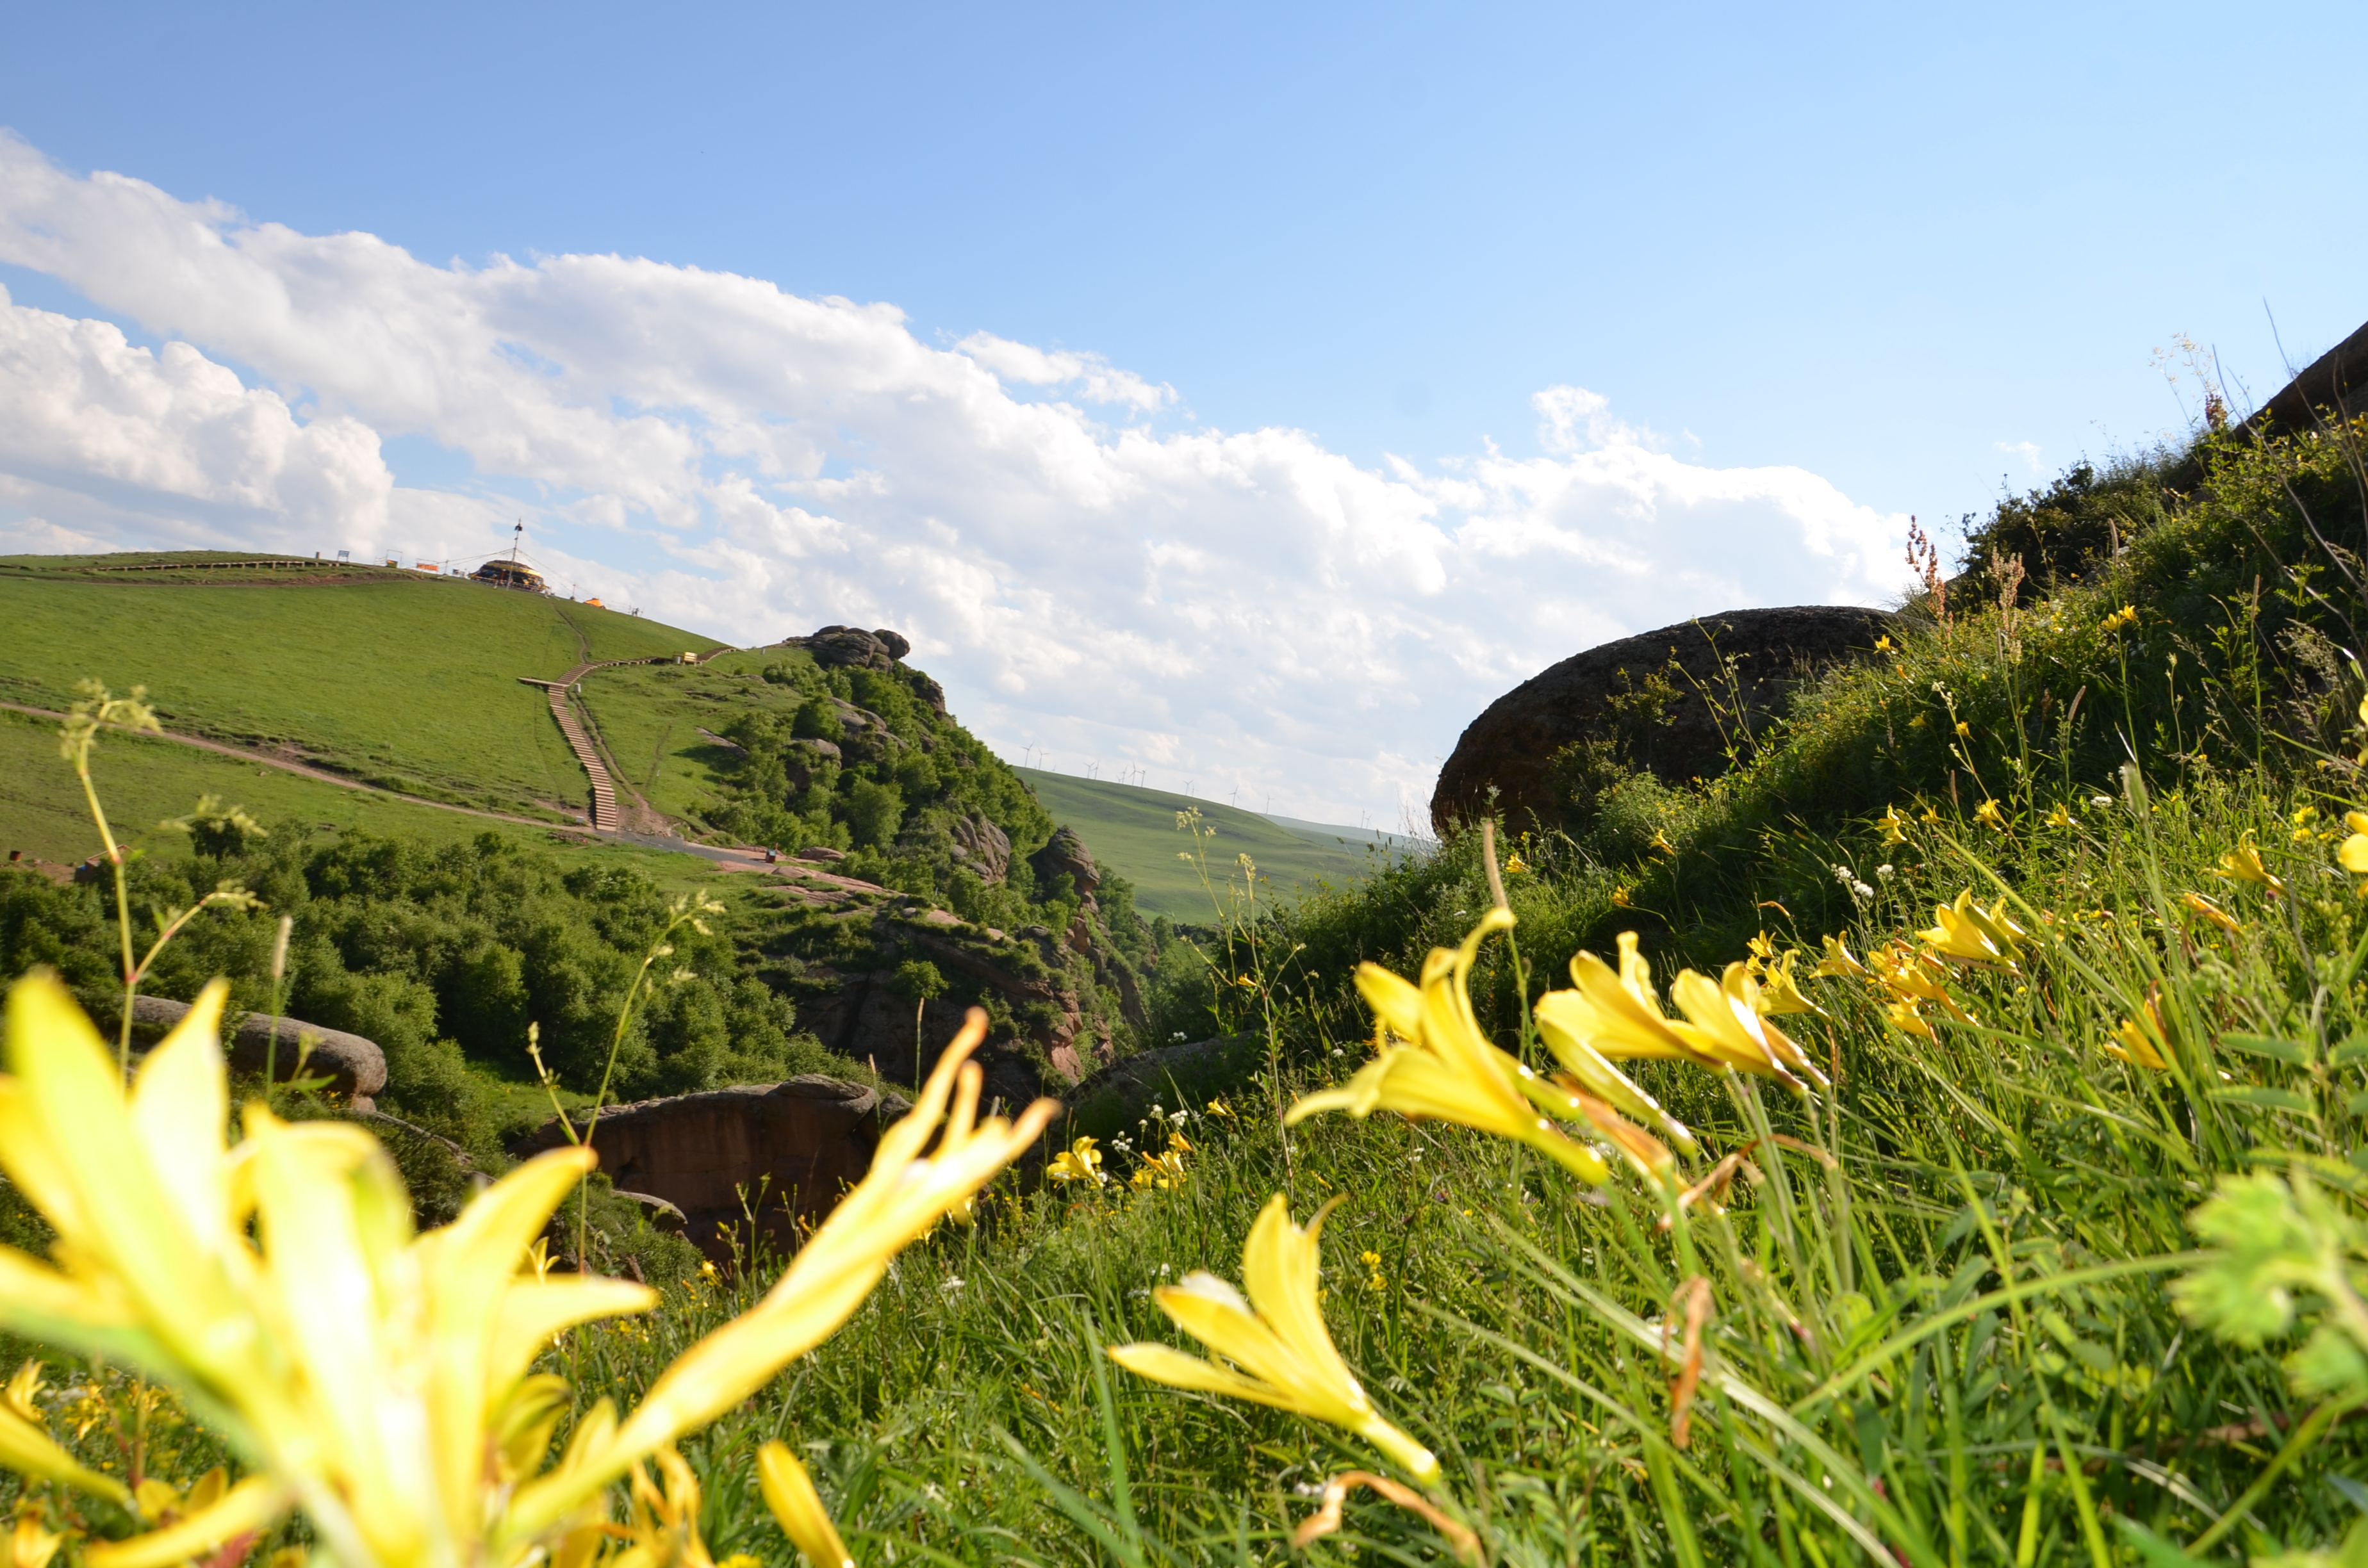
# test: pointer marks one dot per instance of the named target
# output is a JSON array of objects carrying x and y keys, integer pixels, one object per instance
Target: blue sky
[{"x": 1913, "y": 251}]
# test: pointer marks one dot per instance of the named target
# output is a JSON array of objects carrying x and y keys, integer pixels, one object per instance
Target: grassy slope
[
  {"x": 649, "y": 716},
  {"x": 409, "y": 682},
  {"x": 1134, "y": 832},
  {"x": 143, "y": 781}
]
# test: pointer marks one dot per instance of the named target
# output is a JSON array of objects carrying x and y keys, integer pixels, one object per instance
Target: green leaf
[
  {"x": 2264, "y": 1246},
  {"x": 2298, "y": 1052},
  {"x": 2266, "y": 1099},
  {"x": 2352, "y": 1049}
]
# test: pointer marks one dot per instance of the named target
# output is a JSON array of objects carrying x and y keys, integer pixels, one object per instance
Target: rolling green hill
[
  {"x": 1134, "y": 832},
  {"x": 389, "y": 677}
]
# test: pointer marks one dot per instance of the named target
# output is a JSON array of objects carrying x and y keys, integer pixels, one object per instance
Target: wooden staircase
[{"x": 604, "y": 814}]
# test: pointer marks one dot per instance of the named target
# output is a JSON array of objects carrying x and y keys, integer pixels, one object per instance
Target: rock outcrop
[
  {"x": 1662, "y": 697},
  {"x": 354, "y": 1067},
  {"x": 1066, "y": 855},
  {"x": 983, "y": 846},
  {"x": 793, "y": 1148}
]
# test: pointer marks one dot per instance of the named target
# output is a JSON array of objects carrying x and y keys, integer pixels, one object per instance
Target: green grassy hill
[
  {"x": 1134, "y": 832},
  {"x": 389, "y": 677}
]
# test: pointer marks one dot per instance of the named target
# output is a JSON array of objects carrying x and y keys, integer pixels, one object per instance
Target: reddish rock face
[{"x": 794, "y": 1148}]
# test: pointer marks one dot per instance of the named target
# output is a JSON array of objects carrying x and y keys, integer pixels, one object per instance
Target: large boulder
[
  {"x": 354, "y": 1067},
  {"x": 793, "y": 1148},
  {"x": 851, "y": 647},
  {"x": 1670, "y": 699}
]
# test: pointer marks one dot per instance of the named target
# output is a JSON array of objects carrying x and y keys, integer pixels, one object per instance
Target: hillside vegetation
[
  {"x": 390, "y": 678},
  {"x": 1960, "y": 1163}
]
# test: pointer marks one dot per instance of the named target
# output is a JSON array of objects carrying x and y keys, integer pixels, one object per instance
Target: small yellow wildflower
[
  {"x": 2243, "y": 863},
  {"x": 1965, "y": 730},
  {"x": 1619, "y": 899},
  {"x": 2057, "y": 816},
  {"x": 1882, "y": 645},
  {"x": 2301, "y": 826},
  {"x": 1280, "y": 1351},
  {"x": 1987, "y": 811},
  {"x": 1661, "y": 845},
  {"x": 1930, "y": 816},
  {"x": 2125, "y": 616},
  {"x": 1515, "y": 865},
  {"x": 1893, "y": 825}
]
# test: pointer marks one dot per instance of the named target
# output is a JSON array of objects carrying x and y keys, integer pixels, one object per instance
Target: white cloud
[
  {"x": 2027, "y": 451},
  {"x": 1240, "y": 609},
  {"x": 94, "y": 429}
]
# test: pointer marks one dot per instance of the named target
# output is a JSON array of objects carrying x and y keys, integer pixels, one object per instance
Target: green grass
[
  {"x": 413, "y": 684},
  {"x": 649, "y": 718},
  {"x": 1134, "y": 832},
  {"x": 145, "y": 780}
]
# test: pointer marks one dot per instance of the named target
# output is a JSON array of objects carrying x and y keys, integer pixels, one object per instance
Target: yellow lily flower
[
  {"x": 1434, "y": 1061},
  {"x": 1914, "y": 977},
  {"x": 1780, "y": 993},
  {"x": 1724, "y": 1022},
  {"x": 2352, "y": 853},
  {"x": 790, "y": 1494},
  {"x": 1515, "y": 866},
  {"x": 1969, "y": 933},
  {"x": 377, "y": 1379},
  {"x": 2125, "y": 616},
  {"x": 1893, "y": 825},
  {"x": 2057, "y": 816},
  {"x": 31, "y": 1546},
  {"x": 1282, "y": 1354},
  {"x": 1987, "y": 811},
  {"x": 1616, "y": 1013},
  {"x": 2140, "y": 1040},
  {"x": 1562, "y": 1022},
  {"x": 1079, "y": 1162},
  {"x": 2243, "y": 863},
  {"x": 1839, "y": 964}
]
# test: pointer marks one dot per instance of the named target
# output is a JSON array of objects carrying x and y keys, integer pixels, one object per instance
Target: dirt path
[{"x": 320, "y": 774}]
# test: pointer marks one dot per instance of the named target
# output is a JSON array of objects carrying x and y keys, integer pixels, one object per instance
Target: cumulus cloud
[
  {"x": 1238, "y": 608},
  {"x": 95, "y": 431}
]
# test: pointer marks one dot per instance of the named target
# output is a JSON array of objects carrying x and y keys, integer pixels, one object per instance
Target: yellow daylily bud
[
  {"x": 2139, "y": 1042},
  {"x": 790, "y": 1494},
  {"x": 2211, "y": 910},
  {"x": 1446, "y": 1068},
  {"x": 1282, "y": 1354}
]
